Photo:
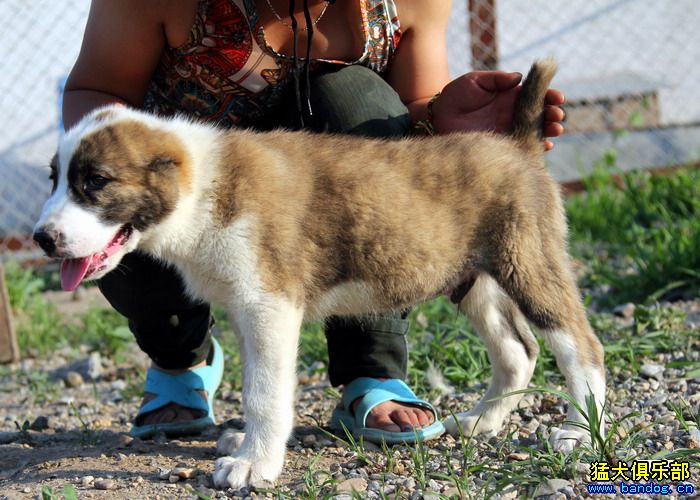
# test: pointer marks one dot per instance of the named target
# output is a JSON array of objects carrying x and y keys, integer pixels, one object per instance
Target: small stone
[
  {"x": 583, "y": 468},
  {"x": 308, "y": 441},
  {"x": 532, "y": 425},
  {"x": 624, "y": 310},
  {"x": 358, "y": 484},
  {"x": 517, "y": 456},
  {"x": 105, "y": 484},
  {"x": 206, "y": 492},
  {"x": 87, "y": 480},
  {"x": 118, "y": 385},
  {"x": 125, "y": 440},
  {"x": 693, "y": 437},
  {"x": 73, "y": 379},
  {"x": 27, "y": 490},
  {"x": 102, "y": 422},
  {"x": 41, "y": 423},
  {"x": 452, "y": 492},
  {"x": 369, "y": 446},
  {"x": 163, "y": 474},
  {"x": 433, "y": 485},
  {"x": 652, "y": 371},
  {"x": 551, "y": 486},
  {"x": 172, "y": 478},
  {"x": 568, "y": 491},
  {"x": 184, "y": 472},
  {"x": 409, "y": 484}
]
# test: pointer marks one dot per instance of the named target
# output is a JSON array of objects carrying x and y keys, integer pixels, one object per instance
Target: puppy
[{"x": 285, "y": 226}]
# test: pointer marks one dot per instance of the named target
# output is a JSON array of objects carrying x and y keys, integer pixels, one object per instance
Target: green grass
[
  {"x": 42, "y": 328},
  {"x": 640, "y": 233}
]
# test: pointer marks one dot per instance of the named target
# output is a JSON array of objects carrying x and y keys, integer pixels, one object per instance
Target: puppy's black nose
[{"x": 46, "y": 238}]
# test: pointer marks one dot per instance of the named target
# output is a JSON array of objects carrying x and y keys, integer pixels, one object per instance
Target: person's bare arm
[
  {"x": 420, "y": 69},
  {"x": 480, "y": 100},
  {"x": 121, "y": 47}
]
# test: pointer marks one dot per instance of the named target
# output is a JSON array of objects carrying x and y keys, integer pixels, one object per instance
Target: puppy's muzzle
[{"x": 49, "y": 239}]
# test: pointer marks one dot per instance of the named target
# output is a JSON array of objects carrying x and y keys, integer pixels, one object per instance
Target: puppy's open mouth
[{"x": 74, "y": 271}]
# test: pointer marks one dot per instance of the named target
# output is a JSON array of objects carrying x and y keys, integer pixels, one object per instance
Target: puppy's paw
[
  {"x": 469, "y": 424},
  {"x": 229, "y": 442},
  {"x": 565, "y": 440},
  {"x": 238, "y": 472}
]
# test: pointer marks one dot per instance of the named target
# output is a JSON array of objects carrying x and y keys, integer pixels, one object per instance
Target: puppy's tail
[{"x": 528, "y": 116}]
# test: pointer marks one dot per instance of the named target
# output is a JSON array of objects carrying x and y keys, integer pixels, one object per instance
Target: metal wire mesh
[
  {"x": 37, "y": 50},
  {"x": 628, "y": 67}
]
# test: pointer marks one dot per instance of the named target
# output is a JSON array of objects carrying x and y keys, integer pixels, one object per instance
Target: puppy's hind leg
[
  {"x": 512, "y": 351},
  {"x": 543, "y": 285},
  {"x": 269, "y": 333}
]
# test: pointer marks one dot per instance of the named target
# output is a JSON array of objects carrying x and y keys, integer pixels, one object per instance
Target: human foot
[
  {"x": 172, "y": 412},
  {"x": 385, "y": 410},
  {"x": 180, "y": 402},
  {"x": 393, "y": 416}
]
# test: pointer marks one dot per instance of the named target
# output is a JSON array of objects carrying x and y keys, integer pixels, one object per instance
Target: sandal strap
[
  {"x": 182, "y": 388},
  {"x": 375, "y": 392}
]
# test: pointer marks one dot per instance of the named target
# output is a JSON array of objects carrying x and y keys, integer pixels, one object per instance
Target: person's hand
[{"x": 484, "y": 100}]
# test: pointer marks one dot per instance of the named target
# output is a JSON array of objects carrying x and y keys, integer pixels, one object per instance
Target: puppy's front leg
[{"x": 268, "y": 333}]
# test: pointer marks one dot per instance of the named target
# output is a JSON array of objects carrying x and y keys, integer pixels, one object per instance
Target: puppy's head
[{"x": 116, "y": 175}]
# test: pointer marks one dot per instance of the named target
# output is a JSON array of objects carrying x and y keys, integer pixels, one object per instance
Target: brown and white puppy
[{"x": 285, "y": 226}]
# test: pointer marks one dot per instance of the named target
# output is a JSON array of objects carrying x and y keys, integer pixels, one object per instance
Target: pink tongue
[{"x": 73, "y": 271}]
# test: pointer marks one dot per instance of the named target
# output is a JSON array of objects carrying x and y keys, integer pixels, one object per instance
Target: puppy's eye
[{"x": 95, "y": 182}]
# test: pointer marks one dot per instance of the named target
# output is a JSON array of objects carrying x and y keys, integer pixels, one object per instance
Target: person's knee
[{"x": 356, "y": 100}]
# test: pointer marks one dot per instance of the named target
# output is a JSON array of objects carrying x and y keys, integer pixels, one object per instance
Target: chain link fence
[
  {"x": 37, "y": 50},
  {"x": 629, "y": 69}
]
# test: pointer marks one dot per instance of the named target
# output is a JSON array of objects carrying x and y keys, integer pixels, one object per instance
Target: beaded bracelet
[{"x": 426, "y": 126}]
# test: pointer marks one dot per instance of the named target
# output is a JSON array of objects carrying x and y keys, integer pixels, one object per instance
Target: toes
[
  {"x": 412, "y": 417},
  {"x": 406, "y": 420},
  {"x": 383, "y": 421},
  {"x": 469, "y": 424},
  {"x": 231, "y": 473},
  {"x": 241, "y": 471},
  {"x": 425, "y": 417}
]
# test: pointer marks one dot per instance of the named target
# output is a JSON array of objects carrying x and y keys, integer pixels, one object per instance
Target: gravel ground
[{"x": 78, "y": 406}]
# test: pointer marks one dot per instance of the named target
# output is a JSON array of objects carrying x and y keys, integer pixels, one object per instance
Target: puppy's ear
[{"x": 162, "y": 163}]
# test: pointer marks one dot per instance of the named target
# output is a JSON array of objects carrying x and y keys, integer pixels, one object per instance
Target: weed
[
  {"x": 68, "y": 493},
  {"x": 88, "y": 436},
  {"x": 685, "y": 415},
  {"x": 315, "y": 481},
  {"x": 354, "y": 445}
]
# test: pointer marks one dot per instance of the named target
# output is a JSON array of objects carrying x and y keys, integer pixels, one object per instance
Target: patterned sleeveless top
[{"x": 227, "y": 73}]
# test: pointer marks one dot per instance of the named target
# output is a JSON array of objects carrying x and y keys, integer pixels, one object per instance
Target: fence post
[
  {"x": 9, "y": 351},
  {"x": 482, "y": 29}
]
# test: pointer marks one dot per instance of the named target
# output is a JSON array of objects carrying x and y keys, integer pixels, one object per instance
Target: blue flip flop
[
  {"x": 182, "y": 389},
  {"x": 374, "y": 392}
]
